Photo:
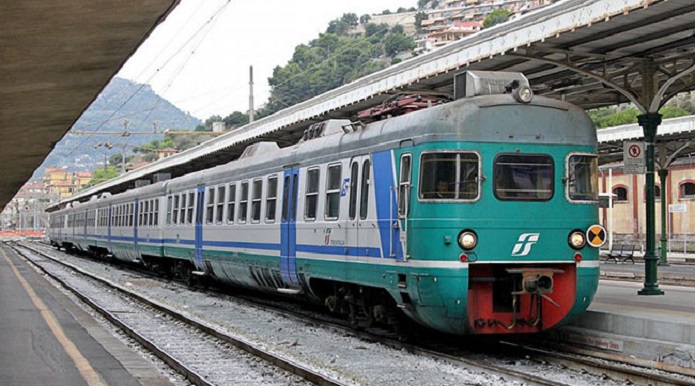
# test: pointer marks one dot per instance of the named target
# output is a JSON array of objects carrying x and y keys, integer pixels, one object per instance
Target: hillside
[{"x": 121, "y": 100}]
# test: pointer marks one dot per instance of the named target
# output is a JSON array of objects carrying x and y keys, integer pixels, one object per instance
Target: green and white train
[{"x": 477, "y": 216}]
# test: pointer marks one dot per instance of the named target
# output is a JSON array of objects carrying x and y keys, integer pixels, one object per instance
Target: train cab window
[
  {"x": 523, "y": 177},
  {"x": 271, "y": 199},
  {"x": 191, "y": 205},
  {"x": 582, "y": 177},
  {"x": 257, "y": 195},
  {"x": 333, "y": 192},
  {"x": 449, "y": 176},
  {"x": 404, "y": 185},
  {"x": 210, "y": 206},
  {"x": 312, "y": 194},
  {"x": 243, "y": 202},
  {"x": 230, "y": 203},
  {"x": 364, "y": 193},
  {"x": 219, "y": 203}
]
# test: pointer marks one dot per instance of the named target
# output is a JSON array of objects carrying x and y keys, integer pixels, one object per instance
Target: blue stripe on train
[
  {"x": 319, "y": 249},
  {"x": 386, "y": 208}
]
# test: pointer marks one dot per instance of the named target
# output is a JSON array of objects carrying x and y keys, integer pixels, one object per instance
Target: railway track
[
  {"x": 202, "y": 354},
  {"x": 504, "y": 362}
]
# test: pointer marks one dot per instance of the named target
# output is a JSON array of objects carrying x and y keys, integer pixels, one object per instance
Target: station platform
[
  {"x": 656, "y": 331},
  {"x": 46, "y": 339}
]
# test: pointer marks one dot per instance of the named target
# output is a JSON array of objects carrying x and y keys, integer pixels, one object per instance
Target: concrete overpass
[{"x": 55, "y": 58}]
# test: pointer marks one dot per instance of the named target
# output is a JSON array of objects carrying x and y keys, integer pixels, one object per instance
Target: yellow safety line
[{"x": 88, "y": 373}]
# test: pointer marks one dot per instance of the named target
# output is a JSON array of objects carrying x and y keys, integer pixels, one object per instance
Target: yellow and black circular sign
[{"x": 596, "y": 236}]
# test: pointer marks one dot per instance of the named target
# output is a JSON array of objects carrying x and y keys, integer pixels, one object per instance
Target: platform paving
[
  {"x": 46, "y": 339},
  {"x": 656, "y": 330}
]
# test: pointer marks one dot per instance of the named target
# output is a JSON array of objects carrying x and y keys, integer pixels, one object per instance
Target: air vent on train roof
[
  {"x": 325, "y": 128},
  {"x": 258, "y": 148},
  {"x": 473, "y": 83}
]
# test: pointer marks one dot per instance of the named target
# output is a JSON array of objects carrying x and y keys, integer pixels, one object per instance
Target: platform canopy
[
  {"x": 592, "y": 53},
  {"x": 55, "y": 58}
]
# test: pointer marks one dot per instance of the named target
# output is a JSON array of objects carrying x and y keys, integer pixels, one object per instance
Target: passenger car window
[{"x": 333, "y": 192}]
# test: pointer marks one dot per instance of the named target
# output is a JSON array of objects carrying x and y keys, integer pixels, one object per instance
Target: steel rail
[{"x": 191, "y": 375}]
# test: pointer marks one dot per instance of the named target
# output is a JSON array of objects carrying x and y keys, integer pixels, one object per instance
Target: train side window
[
  {"x": 156, "y": 212},
  {"x": 151, "y": 214},
  {"x": 230, "y": 203},
  {"x": 404, "y": 185},
  {"x": 142, "y": 213},
  {"x": 243, "y": 202},
  {"x": 354, "y": 171},
  {"x": 582, "y": 177},
  {"x": 219, "y": 203},
  {"x": 449, "y": 176},
  {"x": 312, "y": 194},
  {"x": 364, "y": 193},
  {"x": 131, "y": 213},
  {"x": 191, "y": 205},
  {"x": 523, "y": 177},
  {"x": 333, "y": 192},
  {"x": 271, "y": 199},
  {"x": 256, "y": 200},
  {"x": 182, "y": 211},
  {"x": 170, "y": 207},
  {"x": 211, "y": 206},
  {"x": 175, "y": 211}
]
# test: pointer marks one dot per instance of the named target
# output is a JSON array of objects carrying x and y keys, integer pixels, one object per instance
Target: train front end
[{"x": 510, "y": 194}]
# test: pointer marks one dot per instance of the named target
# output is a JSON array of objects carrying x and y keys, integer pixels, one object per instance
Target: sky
[{"x": 199, "y": 57}]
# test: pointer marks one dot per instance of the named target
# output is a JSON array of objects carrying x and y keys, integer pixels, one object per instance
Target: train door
[
  {"x": 359, "y": 238},
  {"x": 288, "y": 228},
  {"x": 109, "y": 225},
  {"x": 136, "y": 217},
  {"x": 404, "y": 188},
  {"x": 199, "y": 212}
]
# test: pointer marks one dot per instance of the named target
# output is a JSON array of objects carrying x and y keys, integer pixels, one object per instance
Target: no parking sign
[{"x": 633, "y": 157}]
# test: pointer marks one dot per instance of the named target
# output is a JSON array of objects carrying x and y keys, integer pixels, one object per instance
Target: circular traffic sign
[
  {"x": 596, "y": 236},
  {"x": 634, "y": 151}
]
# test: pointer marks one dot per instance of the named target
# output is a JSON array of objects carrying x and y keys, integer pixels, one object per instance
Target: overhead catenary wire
[{"x": 209, "y": 22}]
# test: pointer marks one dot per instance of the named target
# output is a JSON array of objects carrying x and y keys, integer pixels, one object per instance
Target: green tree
[
  {"x": 397, "y": 43},
  {"x": 419, "y": 17},
  {"x": 496, "y": 17},
  {"x": 236, "y": 118},
  {"x": 673, "y": 112},
  {"x": 102, "y": 174},
  {"x": 364, "y": 19},
  {"x": 397, "y": 29},
  {"x": 421, "y": 4}
]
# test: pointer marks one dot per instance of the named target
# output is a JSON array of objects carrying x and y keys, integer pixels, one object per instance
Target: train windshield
[
  {"x": 523, "y": 177},
  {"x": 449, "y": 176},
  {"x": 582, "y": 177}
]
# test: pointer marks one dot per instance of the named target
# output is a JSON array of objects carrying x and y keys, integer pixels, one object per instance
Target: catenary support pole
[
  {"x": 663, "y": 174},
  {"x": 650, "y": 122}
]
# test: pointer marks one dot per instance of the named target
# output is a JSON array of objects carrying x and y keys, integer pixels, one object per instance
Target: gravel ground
[{"x": 342, "y": 356}]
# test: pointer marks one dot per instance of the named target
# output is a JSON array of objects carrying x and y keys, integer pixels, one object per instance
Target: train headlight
[
  {"x": 468, "y": 240},
  {"x": 577, "y": 240},
  {"x": 523, "y": 94}
]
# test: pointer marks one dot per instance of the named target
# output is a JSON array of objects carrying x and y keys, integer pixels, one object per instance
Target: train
[{"x": 473, "y": 215}]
